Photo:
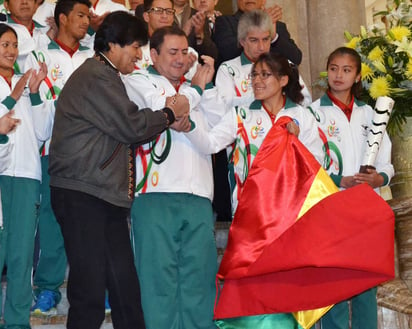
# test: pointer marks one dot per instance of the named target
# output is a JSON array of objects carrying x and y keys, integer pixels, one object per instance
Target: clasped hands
[
  {"x": 180, "y": 106},
  {"x": 371, "y": 177}
]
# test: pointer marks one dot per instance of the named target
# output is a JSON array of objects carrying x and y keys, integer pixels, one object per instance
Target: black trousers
[
  {"x": 222, "y": 204},
  {"x": 96, "y": 238}
]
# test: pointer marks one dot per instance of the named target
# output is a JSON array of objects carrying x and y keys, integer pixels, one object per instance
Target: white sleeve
[
  {"x": 145, "y": 93},
  {"x": 213, "y": 106},
  {"x": 142, "y": 92},
  {"x": 216, "y": 139},
  {"x": 227, "y": 88},
  {"x": 309, "y": 134},
  {"x": 43, "y": 119},
  {"x": 189, "y": 74}
]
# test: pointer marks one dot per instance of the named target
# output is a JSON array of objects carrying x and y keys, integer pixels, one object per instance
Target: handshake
[{"x": 179, "y": 104}]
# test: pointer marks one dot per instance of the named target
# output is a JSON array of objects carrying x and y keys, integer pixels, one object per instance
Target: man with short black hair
[
  {"x": 177, "y": 273},
  {"x": 92, "y": 174},
  {"x": 62, "y": 56}
]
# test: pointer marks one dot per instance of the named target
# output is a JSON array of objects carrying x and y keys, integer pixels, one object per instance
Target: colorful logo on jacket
[
  {"x": 56, "y": 72},
  {"x": 333, "y": 157},
  {"x": 257, "y": 131},
  {"x": 245, "y": 85},
  {"x": 155, "y": 178},
  {"x": 333, "y": 130}
]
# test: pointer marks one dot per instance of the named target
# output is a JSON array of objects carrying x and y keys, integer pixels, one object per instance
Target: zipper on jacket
[{"x": 111, "y": 158}]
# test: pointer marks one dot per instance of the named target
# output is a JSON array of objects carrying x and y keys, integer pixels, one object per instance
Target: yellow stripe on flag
[
  {"x": 322, "y": 187},
  {"x": 307, "y": 319}
]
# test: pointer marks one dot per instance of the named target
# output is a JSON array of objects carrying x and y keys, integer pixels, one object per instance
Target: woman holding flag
[
  {"x": 277, "y": 91},
  {"x": 291, "y": 251}
]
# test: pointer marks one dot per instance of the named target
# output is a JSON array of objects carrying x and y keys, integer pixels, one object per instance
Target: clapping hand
[
  {"x": 37, "y": 77},
  {"x": 204, "y": 73}
]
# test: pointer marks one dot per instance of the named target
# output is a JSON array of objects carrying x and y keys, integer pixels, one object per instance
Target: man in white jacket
[{"x": 172, "y": 216}]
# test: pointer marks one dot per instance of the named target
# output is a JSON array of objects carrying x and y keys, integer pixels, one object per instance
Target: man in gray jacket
[{"x": 92, "y": 174}]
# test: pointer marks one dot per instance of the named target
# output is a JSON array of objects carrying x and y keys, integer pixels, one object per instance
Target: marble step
[
  {"x": 58, "y": 321},
  {"x": 387, "y": 318}
]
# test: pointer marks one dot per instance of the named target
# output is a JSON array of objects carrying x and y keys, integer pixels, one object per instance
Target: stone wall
[{"x": 317, "y": 26}]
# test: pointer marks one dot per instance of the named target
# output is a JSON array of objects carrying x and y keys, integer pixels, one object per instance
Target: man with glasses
[{"x": 158, "y": 14}]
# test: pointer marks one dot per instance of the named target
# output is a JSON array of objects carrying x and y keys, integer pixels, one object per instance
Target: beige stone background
[{"x": 317, "y": 27}]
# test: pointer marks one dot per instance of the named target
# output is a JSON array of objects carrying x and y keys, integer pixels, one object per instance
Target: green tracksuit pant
[
  {"x": 52, "y": 264},
  {"x": 20, "y": 202},
  {"x": 364, "y": 313},
  {"x": 176, "y": 259}
]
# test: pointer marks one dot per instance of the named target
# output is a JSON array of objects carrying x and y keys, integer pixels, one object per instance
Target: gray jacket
[{"x": 95, "y": 126}]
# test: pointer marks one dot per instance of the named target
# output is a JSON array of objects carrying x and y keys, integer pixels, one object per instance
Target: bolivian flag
[{"x": 298, "y": 245}]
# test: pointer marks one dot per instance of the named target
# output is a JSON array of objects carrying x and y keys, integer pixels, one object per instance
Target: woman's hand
[
  {"x": 371, "y": 177},
  {"x": 37, "y": 77},
  {"x": 20, "y": 85},
  {"x": 293, "y": 128}
]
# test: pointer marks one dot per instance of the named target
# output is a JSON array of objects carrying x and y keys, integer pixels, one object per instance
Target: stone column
[
  {"x": 327, "y": 20},
  {"x": 317, "y": 27}
]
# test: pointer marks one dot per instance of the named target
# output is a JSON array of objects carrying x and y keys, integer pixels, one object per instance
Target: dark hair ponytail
[{"x": 280, "y": 66}]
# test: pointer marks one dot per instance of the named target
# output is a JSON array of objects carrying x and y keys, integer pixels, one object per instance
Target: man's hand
[
  {"x": 204, "y": 73},
  {"x": 187, "y": 28},
  {"x": 96, "y": 20},
  {"x": 52, "y": 32},
  {"x": 371, "y": 177},
  {"x": 182, "y": 124},
  {"x": 8, "y": 123},
  {"x": 275, "y": 13},
  {"x": 198, "y": 24},
  {"x": 179, "y": 104}
]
